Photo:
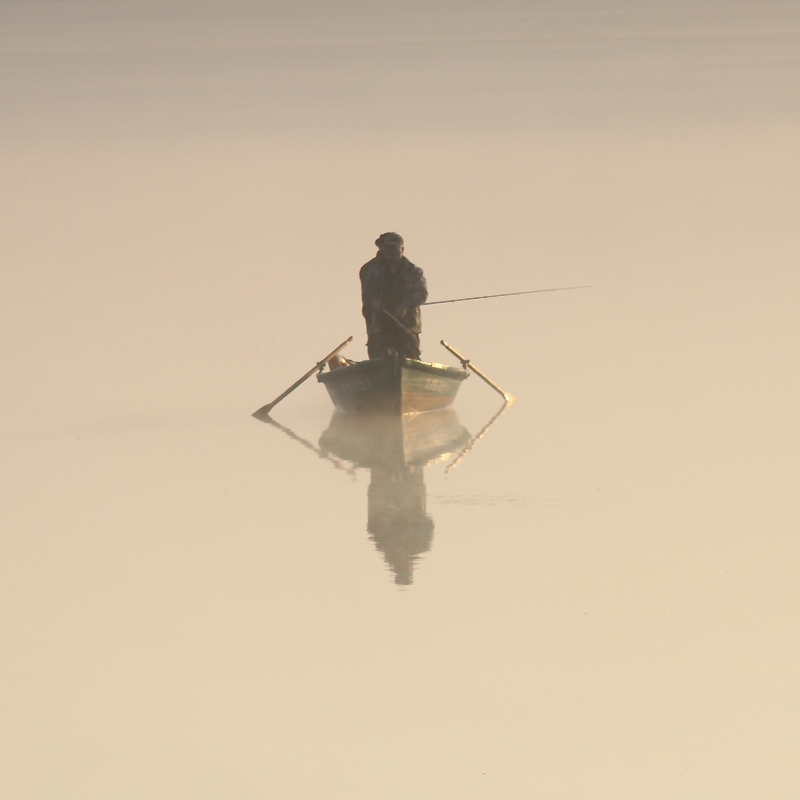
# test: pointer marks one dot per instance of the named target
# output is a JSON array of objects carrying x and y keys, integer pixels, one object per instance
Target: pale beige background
[{"x": 192, "y": 607}]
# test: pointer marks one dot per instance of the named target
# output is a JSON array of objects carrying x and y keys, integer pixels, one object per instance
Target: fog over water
[{"x": 598, "y": 598}]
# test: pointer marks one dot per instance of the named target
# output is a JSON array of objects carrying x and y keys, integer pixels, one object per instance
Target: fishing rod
[{"x": 506, "y": 294}]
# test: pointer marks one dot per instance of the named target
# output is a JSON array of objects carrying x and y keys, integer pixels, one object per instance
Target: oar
[
  {"x": 318, "y": 367},
  {"x": 467, "y": 365}
]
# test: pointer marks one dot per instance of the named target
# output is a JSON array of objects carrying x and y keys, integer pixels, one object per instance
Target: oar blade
[{"x": 318, "y": 367}]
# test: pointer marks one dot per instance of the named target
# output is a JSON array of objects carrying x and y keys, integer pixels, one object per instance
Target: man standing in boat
[{"x": 392, "y": 285}]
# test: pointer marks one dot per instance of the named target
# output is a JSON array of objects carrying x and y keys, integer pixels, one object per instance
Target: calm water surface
[{"x": 599, "y": 599}]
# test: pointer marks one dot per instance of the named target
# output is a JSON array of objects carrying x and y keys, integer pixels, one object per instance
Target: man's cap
[{"x": 389, "y": 238}]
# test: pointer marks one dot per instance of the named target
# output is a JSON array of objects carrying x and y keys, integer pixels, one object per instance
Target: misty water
[{"x": 591, "y": 595}]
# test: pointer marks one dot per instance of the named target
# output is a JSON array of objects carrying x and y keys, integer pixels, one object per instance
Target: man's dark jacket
[{"x": 405, "y": 287}]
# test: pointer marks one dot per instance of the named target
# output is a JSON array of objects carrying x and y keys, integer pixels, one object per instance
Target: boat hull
[{"x": 392, "y": 386}]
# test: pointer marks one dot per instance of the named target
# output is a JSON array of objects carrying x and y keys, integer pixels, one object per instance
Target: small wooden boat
[{"x": 392, "y": 385}]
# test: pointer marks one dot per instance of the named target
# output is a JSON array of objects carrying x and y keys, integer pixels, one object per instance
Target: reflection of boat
[
  {"x": 396, "y": 441},
  {"x": 392, "y": 385},
  {"x": 396, "y": 450}
]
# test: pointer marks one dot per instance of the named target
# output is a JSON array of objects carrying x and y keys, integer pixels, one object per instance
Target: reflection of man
[
  {"x": 390, "y": 282},
  {"x": 397, "y": 520}
]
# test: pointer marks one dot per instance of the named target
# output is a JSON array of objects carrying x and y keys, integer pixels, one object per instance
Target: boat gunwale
[{"x": 377, "y": 364}]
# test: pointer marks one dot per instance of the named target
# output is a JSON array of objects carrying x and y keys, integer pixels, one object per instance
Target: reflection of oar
[
  {"x": 292, "y": 435},
  {"x": 475, "y": 439},
  {"x": 466, "y": 364},
  {"x": 320, "y": 365}
]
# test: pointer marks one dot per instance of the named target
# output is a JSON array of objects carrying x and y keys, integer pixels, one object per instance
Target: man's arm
[
  {"x": 415, "y": 290},
  {"x": 367, "y": 297}
]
